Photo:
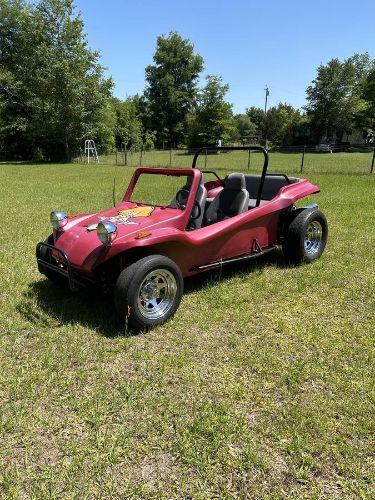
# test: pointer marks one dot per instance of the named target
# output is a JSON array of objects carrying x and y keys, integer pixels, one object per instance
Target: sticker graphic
[{"x": 125, "y": 216}]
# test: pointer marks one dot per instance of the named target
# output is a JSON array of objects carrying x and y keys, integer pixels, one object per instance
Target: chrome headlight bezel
[
  {"x": 107, "y": 232},
  {"x": 58, "y": 219}
]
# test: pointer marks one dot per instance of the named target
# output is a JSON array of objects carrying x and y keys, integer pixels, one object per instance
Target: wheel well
[
  {"x": 110, "y": 270},
  {"x": 287, "y": 216}
]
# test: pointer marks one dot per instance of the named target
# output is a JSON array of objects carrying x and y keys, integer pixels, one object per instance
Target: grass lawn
[{"x": 262, "y": 385}]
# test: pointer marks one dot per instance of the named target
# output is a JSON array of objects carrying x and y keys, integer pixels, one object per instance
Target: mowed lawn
[{"x": 262, "y": 385}]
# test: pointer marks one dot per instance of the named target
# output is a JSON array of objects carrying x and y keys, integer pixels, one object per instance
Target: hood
[{"x": 80, "y": 241}]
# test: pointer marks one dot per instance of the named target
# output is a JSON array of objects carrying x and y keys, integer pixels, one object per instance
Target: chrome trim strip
[{"x": 220, "y": 263}]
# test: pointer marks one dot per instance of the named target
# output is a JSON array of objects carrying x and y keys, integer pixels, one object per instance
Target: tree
[
  {"x": 258, "y": 118},
  {"x": 302, "y": 130},
  {"x": 369, "y": 88},
  {"x": 213, "y": 118},
  {"x": 15, "y": 25},
  {"x": 105, "y": 135},
  {"x": 365, "y": 117},
  {"x": 52, "y": 86},
  {"x": 171, "y": 86},
  {"x": 246, "y": 128},
  {"x": 128, "y": 123},
  {"x": 334, "y": 97},
  {"x": 281, "y": 124}
]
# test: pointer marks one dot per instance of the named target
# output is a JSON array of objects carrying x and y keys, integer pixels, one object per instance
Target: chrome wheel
[
  {"x": 157, "y": 293},
  {"x": 313, "y": 237}
]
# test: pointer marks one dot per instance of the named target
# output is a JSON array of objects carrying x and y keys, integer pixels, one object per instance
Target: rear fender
[
  {"x": 296, "y": 191},
  {"x": 286, "y": 199}
]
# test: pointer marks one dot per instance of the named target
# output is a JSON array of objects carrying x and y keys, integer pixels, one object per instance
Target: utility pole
[
  {"x": 265, "y": 114},
  {"x": 265, "y": 103}
]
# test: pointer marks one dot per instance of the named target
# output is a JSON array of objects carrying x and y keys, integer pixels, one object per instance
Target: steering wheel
[
  {"x": 182, "y": 194},
  {"x": 199, "y": 211}
]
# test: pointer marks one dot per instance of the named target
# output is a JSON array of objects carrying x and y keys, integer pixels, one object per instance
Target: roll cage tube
[
  {"x": 240, "y": 148},
  {"x": 213, "y": 173}
]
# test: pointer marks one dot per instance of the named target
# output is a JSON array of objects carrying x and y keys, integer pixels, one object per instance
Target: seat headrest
[{"x": 235, "y": 181}]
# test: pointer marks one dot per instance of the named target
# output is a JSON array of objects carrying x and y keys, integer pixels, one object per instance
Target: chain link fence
[{"x": 356, "y": 159}]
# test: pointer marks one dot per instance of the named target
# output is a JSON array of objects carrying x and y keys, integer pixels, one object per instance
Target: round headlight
[
  {"x": 58, "y": 219},
  {"x": 107, "y": 232}
]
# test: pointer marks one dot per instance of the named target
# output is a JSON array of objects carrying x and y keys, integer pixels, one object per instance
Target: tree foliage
[
  {"x": 53, "y": 94},
  {"x": 212, "y": 118},
  {"x": 366, "y": 115},
  {"x": 256, "y": 116},
  {"x": 246, "y": 128},
  {"x": 128, "y": 123},
  {"x": 171, "y": 86},
  {"x": 281, "y": 124},
  {"x": 52, "y": 89},
  {"x": 334, "y": 97}
]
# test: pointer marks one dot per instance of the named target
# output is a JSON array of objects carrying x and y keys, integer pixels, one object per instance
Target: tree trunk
[{"x": 67, "y": 152}]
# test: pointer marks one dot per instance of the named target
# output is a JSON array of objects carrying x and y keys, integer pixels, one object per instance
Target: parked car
[
  {"x": 142, "y": 249},
  {"x": 332, "y": 146}
]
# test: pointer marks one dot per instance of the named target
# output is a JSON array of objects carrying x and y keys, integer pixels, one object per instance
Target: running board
[{"x": 222, "y": 262}]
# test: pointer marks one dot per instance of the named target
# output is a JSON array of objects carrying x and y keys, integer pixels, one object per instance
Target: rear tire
[
  {"x": 306, "y": 236},
  {"x": 148, "y": 292}
]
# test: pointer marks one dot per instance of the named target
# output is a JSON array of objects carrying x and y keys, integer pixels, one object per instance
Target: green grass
[
  {"x": 261, "y": 386},
  {"x": 348, "y": 163}
]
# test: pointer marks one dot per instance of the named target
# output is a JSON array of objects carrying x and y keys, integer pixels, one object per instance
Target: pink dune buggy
[{"x": 145, "y": 249}]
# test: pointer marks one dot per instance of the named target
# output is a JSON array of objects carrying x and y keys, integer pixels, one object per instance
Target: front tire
[
  {"x": 148, "y": 292},
  {"x": 306, "y": 236}
]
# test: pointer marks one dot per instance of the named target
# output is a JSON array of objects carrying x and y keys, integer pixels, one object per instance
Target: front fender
[{"x": 156, "y": 237}]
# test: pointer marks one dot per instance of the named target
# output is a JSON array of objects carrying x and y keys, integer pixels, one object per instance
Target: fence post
[
  {"x": 170, "y": 156},
  {"x": 372, "y": 163},
  {"x": 249, "y": 160},
  {"x": 116, "y": 157},
  {"x": 303, "y": 158},
  {"x": 125, "y": 155},
  {"x": 205, "y": 159},
  {"x": 140, "y": 156}
]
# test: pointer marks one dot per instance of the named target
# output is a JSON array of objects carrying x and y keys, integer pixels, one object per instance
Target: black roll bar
[{"x": 240, "y": 148}]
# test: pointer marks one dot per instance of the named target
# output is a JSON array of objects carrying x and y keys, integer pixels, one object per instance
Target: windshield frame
[{"x": 166, "y": 172}]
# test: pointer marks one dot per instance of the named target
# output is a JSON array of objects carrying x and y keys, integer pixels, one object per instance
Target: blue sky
[{"x": 251, "y": 44}]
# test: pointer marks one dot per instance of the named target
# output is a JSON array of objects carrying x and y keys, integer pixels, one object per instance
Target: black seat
[
  {"x": 197, "y": 212},
  {"x": 231, "y": 201}
]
